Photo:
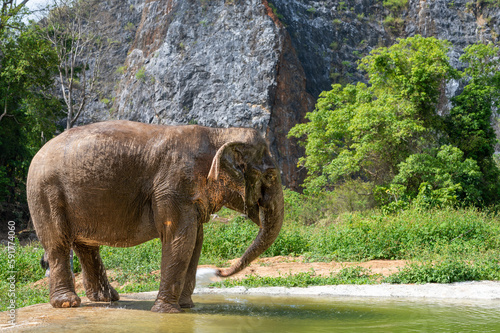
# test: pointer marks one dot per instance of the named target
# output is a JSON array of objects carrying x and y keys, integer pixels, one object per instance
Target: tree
[
  {"x": 391, "y": 133},
  {"x": 10, "y": 13},
  {"x": 469, "y": 123},
  {"x": 28, "y": 110},
  {"x": 366, "y": 132},
  {"x": 77, "y": 31},
  {"x": 442, "y": 173}
]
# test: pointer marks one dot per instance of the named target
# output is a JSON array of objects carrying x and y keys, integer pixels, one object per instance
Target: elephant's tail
[{"x": 44, "y": 262}]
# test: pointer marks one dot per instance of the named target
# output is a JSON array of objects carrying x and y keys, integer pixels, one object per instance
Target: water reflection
[{"x": 217, "y": 313}]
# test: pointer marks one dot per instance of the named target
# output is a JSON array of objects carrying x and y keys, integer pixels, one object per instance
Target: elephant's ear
[{"x": 228, "y": 166}]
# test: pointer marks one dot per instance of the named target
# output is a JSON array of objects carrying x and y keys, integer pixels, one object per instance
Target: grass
[
  {"x": 365, "y": 236},
  {"x": 445, "y": 245},
  {"x": 27, "y": 270},
  {"x": 348, "y": 275}
]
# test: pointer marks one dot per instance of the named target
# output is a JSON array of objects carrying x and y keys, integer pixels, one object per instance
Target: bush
[
  {"x": 447, "y": 271},
  {"x": 309, "y": 209},
  {"x": 223, "y": 241},
  {"x": 292, "y": 240},
  {"x": 143, "y": 258},
  {"x": 405, "y": 235}
]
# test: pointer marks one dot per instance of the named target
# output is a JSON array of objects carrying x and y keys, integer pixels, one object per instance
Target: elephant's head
[{"x": 252, "y": 185}]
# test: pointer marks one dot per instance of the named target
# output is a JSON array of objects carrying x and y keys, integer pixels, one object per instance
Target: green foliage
[
  {"x": 404, "y": 235},
  {"x": 28, "y": 112},
  {"x": 309, "y": 209},
  {"x": 311, "y": 10},
  {"x": 275, "y": 12},
  {"x": 144, "y": 258},
  {"x": 348, "y": 275},
  {"x": 133, "y": 267},
  {"x": 26, "y": 263},
  {"x": 141, "y": 72},
  {"x": 130, "y": 27},
  {"x": 359, "y": 236},
  {"x": 437, "y": 177},
  {"x": 334, "y": 46},
  {"x": 468, "y": 123},
  {"x": 121, "y": 70},
  {"x": 390, "y": 133},
  {"x": 228, "y": 240},
  {"x": 395, "y": 5},
  {"x": 293, "y": 240},
  {"x": 448, "y": 270},
  {"x": 27, "y": 270},
  {"x": 411, "y": 70},
  {"x": 366, "y": 132}
]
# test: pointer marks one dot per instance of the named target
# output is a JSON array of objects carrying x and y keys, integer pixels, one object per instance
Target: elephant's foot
[
  {"x": 186, "y": 303},
  {"x": 107, "y": 294},
  {"x": 67, "y": 300},
  {"x": 161, "y": 306}
]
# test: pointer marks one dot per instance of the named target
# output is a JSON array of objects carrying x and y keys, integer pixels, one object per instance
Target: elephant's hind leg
[
  {"x": 62, "y": 288},
  {"x": 95, "y": 281},
  {"x": 52, "y": 228}
]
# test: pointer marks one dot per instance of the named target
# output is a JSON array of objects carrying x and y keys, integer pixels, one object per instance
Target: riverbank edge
[{"x": 480, "y": 290}]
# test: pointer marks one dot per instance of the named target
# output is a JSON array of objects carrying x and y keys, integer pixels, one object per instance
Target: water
[{"x": 218, "y": 313}]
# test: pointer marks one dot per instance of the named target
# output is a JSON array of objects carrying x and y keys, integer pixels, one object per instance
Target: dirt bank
[{"x": 275, "y": 266}]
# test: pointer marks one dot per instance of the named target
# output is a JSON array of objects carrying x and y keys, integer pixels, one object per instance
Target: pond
[{"x": 243, "y": 313}]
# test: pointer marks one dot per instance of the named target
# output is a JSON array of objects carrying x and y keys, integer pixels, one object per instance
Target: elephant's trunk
[{"x": 271, "y": 213}]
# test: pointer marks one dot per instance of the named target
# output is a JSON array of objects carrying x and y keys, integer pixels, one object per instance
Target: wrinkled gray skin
[{"x": 122, "y": 183}]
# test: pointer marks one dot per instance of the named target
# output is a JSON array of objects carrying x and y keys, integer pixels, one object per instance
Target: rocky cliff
[
  {"x": 259, "y": 64},
  {"x": 331, "y": 36},
  {"x": 216, "y": 63}
]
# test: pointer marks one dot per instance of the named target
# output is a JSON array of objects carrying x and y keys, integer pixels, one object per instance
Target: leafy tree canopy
[
  {"x": 390, "y": 131},
  {"x": 28, "y": 112}
]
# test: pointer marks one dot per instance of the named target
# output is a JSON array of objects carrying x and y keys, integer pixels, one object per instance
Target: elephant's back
[{"x": 95, "y": 153}]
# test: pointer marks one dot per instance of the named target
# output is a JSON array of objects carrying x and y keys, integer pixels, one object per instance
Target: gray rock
[
  {"x": 236, "y": 63},
  {"x": 215, "y": 64}
]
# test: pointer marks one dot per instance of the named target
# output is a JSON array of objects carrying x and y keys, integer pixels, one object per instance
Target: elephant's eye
[{"x": 269, "y": 178}]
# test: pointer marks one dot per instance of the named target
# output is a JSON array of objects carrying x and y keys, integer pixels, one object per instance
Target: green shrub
[
  {"x": 403, "y": 236},
  {"x": 292, "y": 240},
  {"x": 447, "y": 271},
  {"x": 141, "y": 74},
  {"x": 275, "y": 11},
  {"x": 395, "y": 5},
  {"x": 224, "y": 241},
  {"x": 143, "y": 258}
]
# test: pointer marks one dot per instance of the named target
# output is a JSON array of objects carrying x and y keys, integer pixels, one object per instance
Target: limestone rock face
[
  {"x": 216, "y": 63},
  {"x": 261, "y": 64},
  {"x": 330, "y": 36},
  {"x": 122, "y": 20}
]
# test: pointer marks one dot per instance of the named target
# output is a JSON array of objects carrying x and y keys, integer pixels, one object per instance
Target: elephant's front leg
[
  {"x": 190, "y": 281},
  {"x": 178, "y": 244}
]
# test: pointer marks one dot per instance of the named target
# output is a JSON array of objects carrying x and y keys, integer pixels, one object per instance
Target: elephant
[{"x": 121, "y": 183}]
